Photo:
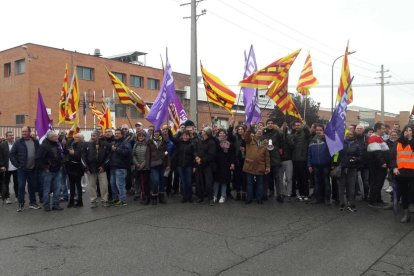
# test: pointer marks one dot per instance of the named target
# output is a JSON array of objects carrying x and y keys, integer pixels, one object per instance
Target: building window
[
  {"x": 19, "y": 67},
  {"x": 120, "y": 76},
  {"x": 85, "y": 73},
  {"x": 153, "y": 84},
  {"x": 136, "y": 81},
  {"x": 20, "y": 119},
  {"x": 120, "y": 110},
  {"x": 135, "y": 114},
  {"x": 7, "y": 70}
]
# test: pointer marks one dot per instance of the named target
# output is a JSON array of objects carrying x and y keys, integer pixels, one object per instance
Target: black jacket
[
  {"x": 49, "y": 157},
  {"x": 4, "y": 154},
  {"x": 74, "y": 163},
  {"x": 184, "y": 151},
  {"x": 224, "y": 159},
  {"x": 18, "y": 153},
  {"x": 206, "y": 150},
  {"x": 94, "y": 157},
  {"x": 121, "y": 158},
  {"x": 350, "y": 155}
]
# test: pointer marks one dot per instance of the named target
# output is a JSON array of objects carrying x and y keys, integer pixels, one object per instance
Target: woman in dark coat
[
  {"x": 225, "y": 162},
  {"x": 184, "y": 156},
  {"x": 158, "y": 164},
  {"x": 349, "y": 158},
  {"x": 75, "y": 170}
]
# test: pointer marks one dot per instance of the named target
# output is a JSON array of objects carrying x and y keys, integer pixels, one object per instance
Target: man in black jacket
[
  {"x": 50, "y": 162},
  {"x": 7, "y": 167},
  {"x": 95, "y": 159},
  {"x": 120, "y": 161},
  {"x": 22, "y": 156}
]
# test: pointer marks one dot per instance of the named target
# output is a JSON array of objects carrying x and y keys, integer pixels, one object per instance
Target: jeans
[
  {"x": 51, "y": 183},
  {"x": 300, "y": 170},
  {"x": 186, "y": 184},
  {"x": 24, "y": 175},
  {"x": 223, "y": 189},
  {"x": 7, "y": 176},
  {"x": 118, "y": 184},
  {"x": 157, "y": 179},
  {"x": 64, "y": 185},
  {"x": 347, "y": 181},
  {"x": 322, "y": 184},
  {"x": 259, "y": 186}
]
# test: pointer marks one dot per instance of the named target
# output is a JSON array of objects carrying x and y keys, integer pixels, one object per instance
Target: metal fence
[{"x": 17, "y": 131}]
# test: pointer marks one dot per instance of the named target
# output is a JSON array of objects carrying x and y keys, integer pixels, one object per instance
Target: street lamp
[{"x": 333, "y": 64}]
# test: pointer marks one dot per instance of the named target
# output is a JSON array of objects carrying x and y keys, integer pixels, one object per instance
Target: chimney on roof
[{"x": 97, "y": 52}]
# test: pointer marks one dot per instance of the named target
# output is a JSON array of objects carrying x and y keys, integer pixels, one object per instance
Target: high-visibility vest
[{"x": 405, "y": 157}]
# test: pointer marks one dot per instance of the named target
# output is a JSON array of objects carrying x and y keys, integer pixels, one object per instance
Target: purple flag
[
  {"x": 250, "y": 99},
  {"x": 43, "y": 123},
  {"x": 159, "y": 110},
  {"x": 335, "y": 129}
]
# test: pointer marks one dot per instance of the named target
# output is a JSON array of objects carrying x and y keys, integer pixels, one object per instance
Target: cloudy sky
[{"x": 381, "y": 32}]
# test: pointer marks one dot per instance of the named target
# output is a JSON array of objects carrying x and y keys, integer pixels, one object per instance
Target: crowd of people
[{"x": 247, "y": 164}]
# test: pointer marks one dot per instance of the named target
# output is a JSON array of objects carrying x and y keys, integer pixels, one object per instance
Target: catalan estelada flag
[
  {"x": 274, "y": 72},
  {"x": 63, "y": 95},
  {"x": 126, "y": 95},
  {"x": 345, "y": 79},
  {"x": 72, "y": 102},
  {"x": 307, "y": 80},
  {"x": 217, "y": 92}
]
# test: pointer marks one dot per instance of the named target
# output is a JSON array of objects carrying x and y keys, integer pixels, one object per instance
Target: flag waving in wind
[
  {"x": 126, "y": 95},
  {"x": 335, "y": 129},
  {"x": 345, "y": 79},
  {"x": 274, "y": 72},
  {"x": 167, "y": 106},
  {"x": 63, "y": 95},
  {"x": 72, "y": 102},
  {"x": 307, "y": 80},
  {"x": 252, "y": 109},
  {"x": 217, "y": 92},
  {"x": 43, "y": 123}
]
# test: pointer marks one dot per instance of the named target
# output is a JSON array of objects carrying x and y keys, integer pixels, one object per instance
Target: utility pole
[
  {"x": 193, "y": 62},
  {"x": 382, "y": 83}
]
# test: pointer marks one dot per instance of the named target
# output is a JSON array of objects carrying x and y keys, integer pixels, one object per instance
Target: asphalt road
[{"x": 292, "y": 238}]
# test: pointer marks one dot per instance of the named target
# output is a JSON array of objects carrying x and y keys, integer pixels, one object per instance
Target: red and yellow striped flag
[
  {"x": 279, "y": 93},
  {"x": 345, "y": 79},
  {"x": 126, "y": 95},
  {"x": 307, "y": 80},
  {"x": 173, "y": 119},
  {"x": 217, "y": 92},
  {"x": 72, "y": 102},
  {"x": 63, "y": 95},
  {"x": 275, "y": 71},
  {"x": 106, "y": 121}
]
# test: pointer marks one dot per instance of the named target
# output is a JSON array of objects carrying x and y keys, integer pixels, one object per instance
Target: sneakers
[
  {"x": 105, "y": 204},
  {"x": 120, "y": 203},
  {"x": 222, "y": 200},
  {"x": 214, "y": 199},
  {"x": 34, "y": 206},
  {"x": 57, "y": 208},
  {"x": 94, "y": 204},
  {"x": 351, "y": 209},
  {"x": 20, "y": 208},
  {"x": 8, "y": 201}
]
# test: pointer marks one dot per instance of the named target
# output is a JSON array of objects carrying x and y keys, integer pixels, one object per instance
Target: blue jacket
[{"x": 318, "y": 153}]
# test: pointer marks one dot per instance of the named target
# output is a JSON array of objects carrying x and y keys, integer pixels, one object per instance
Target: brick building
[{"x": 29, "y": 67}]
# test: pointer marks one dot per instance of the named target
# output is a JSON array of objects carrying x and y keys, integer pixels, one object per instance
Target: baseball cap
[{"x": 138, "y": 124}]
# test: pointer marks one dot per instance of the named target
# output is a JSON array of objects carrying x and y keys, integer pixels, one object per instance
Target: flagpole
[
  {"x": 94, "y": 117},
  {"x": 84, "y": 115},
  {"x": 209, "y": 111},
  {"x": 261, "y": 111},
  {"x": 304, "y": 109}
]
